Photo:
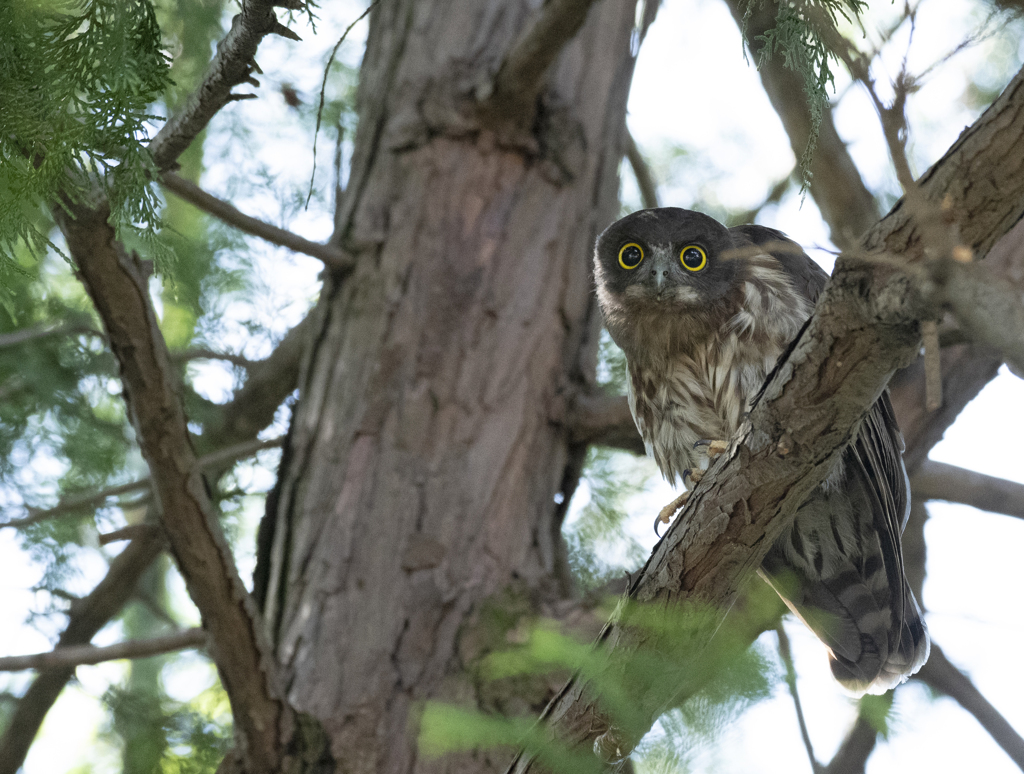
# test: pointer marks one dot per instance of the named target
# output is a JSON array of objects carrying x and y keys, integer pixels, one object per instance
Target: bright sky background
[{"x": 692, "y": 88}]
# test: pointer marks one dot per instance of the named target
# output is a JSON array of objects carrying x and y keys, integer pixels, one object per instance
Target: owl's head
[{"x": 666, "y": 258}]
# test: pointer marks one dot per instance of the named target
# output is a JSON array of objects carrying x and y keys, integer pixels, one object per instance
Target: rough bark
[{"x": 427, "y": 445}]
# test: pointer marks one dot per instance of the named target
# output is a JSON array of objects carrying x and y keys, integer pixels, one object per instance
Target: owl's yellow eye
[
  {"x": 630, "y": 255},
  {"x": 693, "y": 258}
]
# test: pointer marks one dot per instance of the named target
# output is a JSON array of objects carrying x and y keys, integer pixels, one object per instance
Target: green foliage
[
  {"x": 76, "y": 81},
  {"x": 190, "y": 737},
  {"x": 878, "y": 711},
  {"x": 599, "y": 548},
  {"x": 707, "y": 685},
  {"x": 797, "y": 35}
]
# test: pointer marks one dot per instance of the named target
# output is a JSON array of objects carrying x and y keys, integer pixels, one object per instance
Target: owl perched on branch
[{"x": 702, "y": 313}]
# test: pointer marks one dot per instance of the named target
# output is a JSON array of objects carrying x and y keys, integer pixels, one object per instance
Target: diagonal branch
[
  {"x": 852, "y": 755},
  {"x": 521, "y": 74},
  {"x": 193, "y": 194},
  {"x": 118, "y": 288},
  {"x": 232, "y": 65},
  {"x": 87, "y": 616},
  {"x": 941, "y": 675},
  {"x": 77, "y": 655},
  {"x": 939, "y": 481},
  {"x": 786, "y": 653},
  {"x": 846, "y": 204},
  {"x": 642, "y": 173},
  {"x": 864, "y": 327}
]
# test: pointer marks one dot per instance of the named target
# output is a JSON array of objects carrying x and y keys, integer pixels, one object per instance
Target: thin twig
[
  {"x": 201, "y": 353},
  {"x": 86, "y": 617},
  {"x": 190, "y": 192},
  {"x": 78, "y": 502},
  {"x": 323, "y": 89},
  {"x": 642, "y": 173},
  {"x": 27, "y": 335},
  {"x": 78, "y": 655},
  {"x": 786, "y": 653},
  {"x": 232, "y": 65},
  {"x": 932, "y": 365}
]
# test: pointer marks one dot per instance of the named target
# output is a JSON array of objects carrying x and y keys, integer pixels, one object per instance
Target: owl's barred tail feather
[{"x": 908, "y": 649}]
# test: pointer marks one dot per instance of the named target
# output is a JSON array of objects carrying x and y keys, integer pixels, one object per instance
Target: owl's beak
[{"x": 660, "y": 272}]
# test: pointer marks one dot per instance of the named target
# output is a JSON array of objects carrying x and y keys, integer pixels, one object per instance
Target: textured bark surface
[{"x": 428, "y": 444}]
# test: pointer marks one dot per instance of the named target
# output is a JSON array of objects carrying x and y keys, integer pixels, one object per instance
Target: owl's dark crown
[{"x": 666, "y": 256}]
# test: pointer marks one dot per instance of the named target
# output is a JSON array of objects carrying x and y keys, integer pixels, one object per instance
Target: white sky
[{"x": 692, "y": 88}]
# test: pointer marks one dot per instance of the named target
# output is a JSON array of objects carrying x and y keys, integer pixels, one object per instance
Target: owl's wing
[
  {"x": 808, "y": 278},
  {"x": 871, "y": 622}
]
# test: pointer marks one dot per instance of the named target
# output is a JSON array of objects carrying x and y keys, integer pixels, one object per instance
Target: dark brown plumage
[{"x": 702, "y": 313}]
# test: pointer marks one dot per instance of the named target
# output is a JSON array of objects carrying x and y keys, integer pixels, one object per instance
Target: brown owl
[{"x": 702, "y": 313}]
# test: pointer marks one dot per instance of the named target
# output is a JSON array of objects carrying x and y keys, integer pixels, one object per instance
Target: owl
[{"x": 702, "y": 313}]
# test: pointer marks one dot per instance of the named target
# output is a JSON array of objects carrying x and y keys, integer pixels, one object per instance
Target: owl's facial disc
[{"x": 664, "y": 260}]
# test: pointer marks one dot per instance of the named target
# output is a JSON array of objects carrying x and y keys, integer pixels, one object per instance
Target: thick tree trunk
[{"x": 427, "y": 448}]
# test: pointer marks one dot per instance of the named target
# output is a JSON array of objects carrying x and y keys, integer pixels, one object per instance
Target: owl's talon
[
  {"x": 692, "y": 477},
  {"x": 712, "y": 448},
  {"x": 670, "y": 510}
]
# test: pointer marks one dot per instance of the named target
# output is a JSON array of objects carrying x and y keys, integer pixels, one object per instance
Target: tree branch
[
  {"x": 938, "y": 481},
  {"x": 118, "y": 288},
  {"x": 864, "y": 327},
  {"x": 88, "y": 615},
  {"x": 642, "y": 173},
  {"x": 836, "y": 186},
  {"x": 233, "y": 64},
  {"x": 331, "y": 256},
  {"x": 79, "y": 502},
  {"x": 941, "y": 675},
  {"x": 852, "y": 755},
  {"x": 77, "y": 655},
  {"x": 604, "y": 420},
  {"x": 786, "y": 653},
  {"x": 520, "y": 76},
  {"x": 26, "y": 335}
]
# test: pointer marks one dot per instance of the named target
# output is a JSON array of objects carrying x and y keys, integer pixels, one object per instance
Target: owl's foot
[
  {"x": 711, "y": 448},
  {"x": 670, "y": 510}
]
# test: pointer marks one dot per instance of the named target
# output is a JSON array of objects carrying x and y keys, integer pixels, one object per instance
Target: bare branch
[
  {"x": 26, "y": 335},
  {"x": 130, "y": 532},
  {"x": 642, "y": 173},
  {"x": 269, "y": 382},
  {"x": 939, "y": 481},
  {"x": 201, "y": 353},
  {"x": 941, "y": 675},
  {"x": 836, "y": 185},
  {"x": 92, "y": 499},
  {"x": 864, "y": 327},
  {"x": 233, "y": 64},
  {"x": 77, "y": 655},
  {"x": 519, "y": 78},
  {"x": 118, "y": 288},
  {"x": 331, "y": 256},
  {"x": 852, "y": 755},
  {"x": 604, "y": 420},
  {"x": 786, "y": 653},
  {"x": 87, "y": 616}
]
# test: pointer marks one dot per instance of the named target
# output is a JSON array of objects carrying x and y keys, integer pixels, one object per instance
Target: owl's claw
[
  {"x": 712, "y": 448},
  {"x": 670, "y": 510}
]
